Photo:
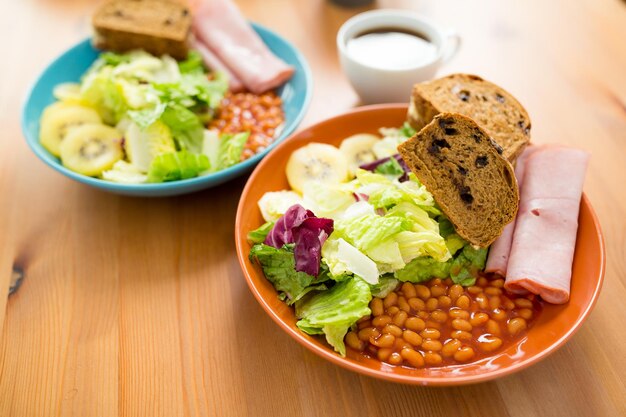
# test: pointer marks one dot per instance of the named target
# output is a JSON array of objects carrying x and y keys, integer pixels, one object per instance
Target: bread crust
[
  {"x": 492, "y": 107},
  {"x": 473, "y": 184},
  {"x": 161, "y": 27}
]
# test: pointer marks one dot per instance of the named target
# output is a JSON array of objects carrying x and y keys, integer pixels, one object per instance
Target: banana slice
[
  {"x": 358, "y": 150},
  {"x": 316, "y": 162},
  {"x": 58, "y": 119},
  {"x": 143, "y": 145},
  {"x": 91, "y": 148}
]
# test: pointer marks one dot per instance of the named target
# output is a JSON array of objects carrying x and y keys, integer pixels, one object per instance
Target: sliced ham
[
  {"x": 221, "y": 27},
  {"x": 500, "y": 249},
  {"x": 544, "y": 239},
  {"x": 213, "y": 62}
]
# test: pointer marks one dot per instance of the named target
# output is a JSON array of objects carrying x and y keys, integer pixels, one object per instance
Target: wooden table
[{"x": 137, "y": 307}]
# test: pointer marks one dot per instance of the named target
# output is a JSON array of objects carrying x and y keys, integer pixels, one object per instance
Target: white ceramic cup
[{"x": 379, "y": 85}]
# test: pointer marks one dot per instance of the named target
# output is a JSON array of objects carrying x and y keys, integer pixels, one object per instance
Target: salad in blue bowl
[{"x": 137, "y": 124}]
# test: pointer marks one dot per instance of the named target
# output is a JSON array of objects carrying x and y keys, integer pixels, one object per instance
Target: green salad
[
  {"x": 355, "y": 224},
  {"x": 137, "y": 118}
]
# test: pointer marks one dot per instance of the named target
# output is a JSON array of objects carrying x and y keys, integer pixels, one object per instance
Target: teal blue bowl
[{"x": 69, "y": 67}]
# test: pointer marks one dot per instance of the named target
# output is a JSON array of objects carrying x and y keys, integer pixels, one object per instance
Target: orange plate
[{"x": 555, "y": 325}]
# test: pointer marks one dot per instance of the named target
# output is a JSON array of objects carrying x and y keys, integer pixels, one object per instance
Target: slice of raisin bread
[
  {"x": 464, "y": 170},
  {"x": 156, "y": 26},
  {"x": 493, "y": 108}
]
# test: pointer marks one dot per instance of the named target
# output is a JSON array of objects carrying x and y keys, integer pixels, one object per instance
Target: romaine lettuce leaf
[
  {"x": 280, "y": 269},
  {"x": 422, "y": 269},
  {"x": 445, "y": 226},
  {"x": 140, "y": 66},
  {"x": 113, "y": 59},
  {"x": 327, "y": 200},
  {"x": 335, "y": 334},
  {"x": 177, "y": 166},
  {"x": 463, "y": 268},
  {"x": 259, "y": 235},
  {"x": 404, "y": 233},
  {"x": 407, "y": 130},
  {"x": 223, "y": 150},
  {"x": 467, "y": 264},
  {"x": 392, "y": 137},
  {"x": 195, "y": 88},
  {"x": 386, "y": 284},
  {"x": 385, "y": 192},
  {"x": 231, "y": 148},
  {"x": 390, "y": 167},
  {"x": 192, "y": 64},
  {"x": 211, "y": 91},
  {"x": 147, "y": 116},
  {"x": 425, "y": 243},
  {"x": 455, "y": 243},
  {"x": 343, "y": 258},
  {"x": 367, "y": 231},
  {"x": 100, "y": 91},
  {"x": 333, "y": 311},
  {"x": 398, "y": 192},
  {"x": 138, "y": 96},
  {"x": 185, "y": 126},
  {"x": 419, "y": 218},
  {"x": 387, "y": 255},
  {"x": 423, "y": 239},
  {"x": 358, "y": 209}
]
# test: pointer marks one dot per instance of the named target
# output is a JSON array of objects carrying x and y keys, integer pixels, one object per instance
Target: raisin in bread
[
  {"x": 156, "y": 26},
  {"x": 493, "y": 108},
  {"x": 464, "y": 170}
]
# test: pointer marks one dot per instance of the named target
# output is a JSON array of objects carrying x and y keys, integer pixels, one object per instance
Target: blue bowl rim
[{"x": 218, "y": 176}]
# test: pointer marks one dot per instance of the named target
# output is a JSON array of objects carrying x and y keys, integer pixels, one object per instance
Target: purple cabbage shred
[{"x": 300, "y": 226}]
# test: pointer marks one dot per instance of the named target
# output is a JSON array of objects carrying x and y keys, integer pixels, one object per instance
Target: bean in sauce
[
  {"x": 260, "y": 114},
  {"x": 440, "y": 323}
]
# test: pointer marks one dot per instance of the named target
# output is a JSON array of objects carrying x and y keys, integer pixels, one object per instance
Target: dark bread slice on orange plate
[
  {"x": 473, "y": 184},
  {"x": 492, "y": 107}
]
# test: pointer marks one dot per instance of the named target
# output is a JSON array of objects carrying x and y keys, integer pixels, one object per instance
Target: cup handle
[{"x": 452, "y": 45}]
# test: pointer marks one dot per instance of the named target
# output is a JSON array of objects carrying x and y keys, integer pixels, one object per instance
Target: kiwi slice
[
  {"x": 90, "y": 149},
  {"x": 57, "y": 121}
]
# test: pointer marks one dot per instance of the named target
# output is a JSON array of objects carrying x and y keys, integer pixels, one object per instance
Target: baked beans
[
  {"x": 440, "y": 323},
  {"x": 260, "y": 114}
]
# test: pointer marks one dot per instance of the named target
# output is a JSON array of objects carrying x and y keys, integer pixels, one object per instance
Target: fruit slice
[
  {"x": 358, "y": 150},
  {"x": 316, "y": 162},
  {"x": 58, "y": 119},
  {"x": 91, "y": 148},
  {"x": 142, "y": 145}
]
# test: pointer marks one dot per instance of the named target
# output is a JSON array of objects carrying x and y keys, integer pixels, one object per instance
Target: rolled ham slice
[
  {"x": 213, "y": 62},
  {"x": 221, "y": 27},
  {"x": 500, "y": 249},
  {"x": 544, "y": 239}
]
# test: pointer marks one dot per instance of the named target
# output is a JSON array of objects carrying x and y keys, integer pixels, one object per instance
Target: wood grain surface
[{"x": 137, "y": 307}]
